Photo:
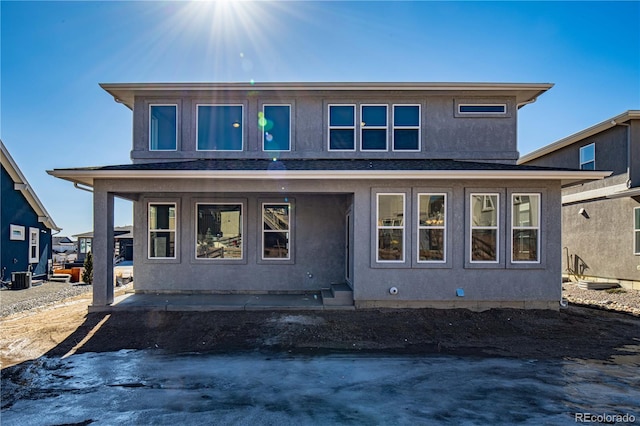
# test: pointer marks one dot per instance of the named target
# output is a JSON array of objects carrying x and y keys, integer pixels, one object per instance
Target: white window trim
[
  {"x": 262, "y": 131},
  {"x": 36, "y": 232},
  {"x": 149, "y": 230},
  {"x": 385, "y": 128},
  {"x": 582, "y": 148},
  {"x": 515, "y": 228},
  {"x": 444, "y": 227},
  {"x": 330, "y": 127},
  {"x": 241, "y": 128},
  {"x": 636, "y": 231},
  {"x": 403, "y": 227},
  {"x": 496, "y": 227},
  {"x": 394, "y": 127},
  {"x": 288, "y": 231},
  {"x": 460, "y": 105},
  {"x": 177, "y": 127},
  {"x": 242, "y": 235}
]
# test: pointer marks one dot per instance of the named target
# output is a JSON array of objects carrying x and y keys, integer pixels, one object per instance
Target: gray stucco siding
[
  {"x": 600, "y": 245},
  {"x": 442, "y": 133},
  {"x": 610, "y": 151},
  {"x": 318, "y": 241}
]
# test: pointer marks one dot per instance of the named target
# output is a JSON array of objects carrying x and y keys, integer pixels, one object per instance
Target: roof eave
[
  {"x": 27, "y": 191},
  {"x": 525, "y": 92},
  {"x": 583, "y": 134},
  {"x": 567, "y": 178}
]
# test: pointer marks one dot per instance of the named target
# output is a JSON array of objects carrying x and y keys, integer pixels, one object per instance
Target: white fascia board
[{"x": 86, "y": 177}]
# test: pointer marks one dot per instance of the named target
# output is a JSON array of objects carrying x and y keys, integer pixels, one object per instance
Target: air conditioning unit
[{"x": 20, "y": 280}]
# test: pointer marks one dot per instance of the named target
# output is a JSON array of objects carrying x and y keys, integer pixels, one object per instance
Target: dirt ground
[{"x": 574, "y": 332}]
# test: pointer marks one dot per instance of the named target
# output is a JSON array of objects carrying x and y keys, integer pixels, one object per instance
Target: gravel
[
  {"x": 49, "y": 293},
  {"x": 618, "y": 299}
]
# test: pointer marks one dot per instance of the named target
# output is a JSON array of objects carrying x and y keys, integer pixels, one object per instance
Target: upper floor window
[
  {"x": 636, "y": 237},
  {"x": 162, "y": 230},
  {"x": 406, "y": 127},
  {"x": 588, "y": 157},
  {"x": 163, "y": 127},
  {"x": 482, "y": 108},
  {"x": 373, "y": 128},
  {"x": 218, "y": 231},
  {"x": 219, "y": 127},
  {"x": 390, "y": 213},
  {"x": 525, "y": 227},
  {"x": 432, "y": 227},
  {"x": 484, "y": 227},
  {"x": 275, "y": 124},
  {"x": 342, "y": 127}
]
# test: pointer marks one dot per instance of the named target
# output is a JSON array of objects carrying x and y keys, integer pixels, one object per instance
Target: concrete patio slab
[{"x": 217, "y": 302}]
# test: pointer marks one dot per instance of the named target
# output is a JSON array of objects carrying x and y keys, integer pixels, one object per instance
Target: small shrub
[
  {"x": 87, "y": 273},
  {"x": 616, "y": 290}
]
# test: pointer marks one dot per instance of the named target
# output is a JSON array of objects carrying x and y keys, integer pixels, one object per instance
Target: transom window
[
  {"x": 275, "y": 125},
  {"x": 636, "y": 232},
  {"x": 218, "y": 231},
  {"x": 484, "y": 227},
  {"x": 406, "y": 127},
  {"x": 163, "y": 127},
  {"x": 342, "y": 127},
  {"x": 373, "y": 128},
  {"x": 390, "y": 237},
  {"x": 482, "y": 108},
  {"x": 588, "y": 157},
  {"x": 276, "y": 221},
  {"x": 219, "y": 127},
  {"x": 432, "y": 227},
  {"x": 162, "y": 230},
  {"x": 525, "y": 227}
]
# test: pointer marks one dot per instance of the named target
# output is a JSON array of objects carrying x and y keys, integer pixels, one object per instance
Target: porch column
[{"x": 102, "y": 247}]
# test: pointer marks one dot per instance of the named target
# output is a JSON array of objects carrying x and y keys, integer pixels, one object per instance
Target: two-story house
[
  {"x": 600, "y": 219},
  {"x": 407, "y": 193}
]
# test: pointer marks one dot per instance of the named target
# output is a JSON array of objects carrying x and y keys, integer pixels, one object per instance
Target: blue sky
[{"x": 53, "y": 55}]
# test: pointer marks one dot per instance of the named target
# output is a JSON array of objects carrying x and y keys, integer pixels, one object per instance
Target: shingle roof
[{"x": 320, "y": 165}]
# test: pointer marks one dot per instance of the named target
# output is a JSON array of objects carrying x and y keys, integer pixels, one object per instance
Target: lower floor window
[
  {"x": 636, "y": 212},
  {"x": 525, "y": 227},
  {"x": 276, "y": 231},
  {"x": 431, "y": 227},
  {"x": 162, "y": 230},
  {"x": 390, "y": 223},
  {"x": 484, "y": 227},
  {"x": 219, "y": 231}
]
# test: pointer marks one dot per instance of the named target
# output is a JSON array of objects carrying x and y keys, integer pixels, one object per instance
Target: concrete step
[
  {"x": 337, "y": 295},
  {"x": 60, "y": 278}
]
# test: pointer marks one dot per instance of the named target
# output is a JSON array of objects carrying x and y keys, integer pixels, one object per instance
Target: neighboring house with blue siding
[
  {"x": 27, "y": 227},
  {"x": 401, "y": 194}
]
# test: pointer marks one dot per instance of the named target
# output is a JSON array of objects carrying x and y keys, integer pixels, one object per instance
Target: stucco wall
[
  {"x": 443, "y": 133},
  {"x": 600, "y": 244},
  {"x": 319, "y": 241}
]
